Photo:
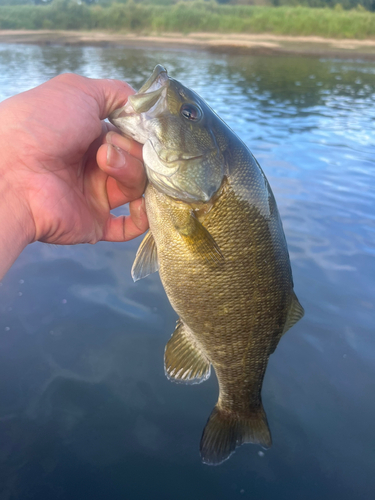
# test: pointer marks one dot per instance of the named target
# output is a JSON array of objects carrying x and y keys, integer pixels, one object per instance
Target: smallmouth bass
[{"x": 217, "y": 240}]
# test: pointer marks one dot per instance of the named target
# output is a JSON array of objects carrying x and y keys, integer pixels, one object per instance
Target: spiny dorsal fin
[
  {"x": 295, "y": 313},
  {"x": 146, "y": 260},
  {"x": 200, "y": 240},
  {"x": 225, "y": 431},
  {"x": 183, "y": 360}
]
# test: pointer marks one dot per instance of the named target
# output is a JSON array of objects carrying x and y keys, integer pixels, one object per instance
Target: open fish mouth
[
  {"x": 147, "y": 98},
  {"x": 158, "y": 78}
]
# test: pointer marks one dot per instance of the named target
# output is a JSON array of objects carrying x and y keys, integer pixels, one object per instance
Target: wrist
[{"x": 16, "y": 229}]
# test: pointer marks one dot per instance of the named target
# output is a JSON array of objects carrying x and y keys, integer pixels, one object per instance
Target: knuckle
[{"x": 68, "y": 77}]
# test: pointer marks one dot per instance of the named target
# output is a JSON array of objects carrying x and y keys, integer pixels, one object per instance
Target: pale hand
[{"x": 61, "y": 172}]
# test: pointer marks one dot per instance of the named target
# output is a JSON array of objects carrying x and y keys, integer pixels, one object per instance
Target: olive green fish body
[
  {"x": 224, "y": 264},
  {"x": 235, "y": 311}
]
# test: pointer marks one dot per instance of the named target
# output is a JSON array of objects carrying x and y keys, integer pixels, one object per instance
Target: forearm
[{"x": 15, "y": 228}]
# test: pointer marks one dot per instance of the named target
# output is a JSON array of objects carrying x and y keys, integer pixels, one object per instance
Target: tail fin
[{"x": 225, "y": 431}]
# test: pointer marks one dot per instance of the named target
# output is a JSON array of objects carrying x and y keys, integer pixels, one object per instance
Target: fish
[{"x": 217, "y": 240}]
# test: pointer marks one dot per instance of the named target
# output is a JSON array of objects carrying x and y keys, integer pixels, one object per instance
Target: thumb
[{"x": 109, "y": 94}]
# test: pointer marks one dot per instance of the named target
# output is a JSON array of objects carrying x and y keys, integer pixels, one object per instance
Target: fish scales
[
  {"x": 249, "y": 286},
  {"x": 222, "y": 259}
]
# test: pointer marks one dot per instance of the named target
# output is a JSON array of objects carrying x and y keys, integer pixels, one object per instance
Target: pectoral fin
[
  {"x": 199, "y": 239},
  {"x": 146, "y": 260},
  {"x": 183, "y": 360}
]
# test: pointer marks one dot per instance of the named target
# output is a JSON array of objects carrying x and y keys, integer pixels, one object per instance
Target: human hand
[{"x": 60, "y": 171}]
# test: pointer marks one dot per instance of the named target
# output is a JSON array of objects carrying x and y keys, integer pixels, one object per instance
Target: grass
[{"x": 195, "y": 16}]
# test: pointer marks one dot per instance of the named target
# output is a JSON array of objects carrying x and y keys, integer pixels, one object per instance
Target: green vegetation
[{"x": 191, "y": 16}]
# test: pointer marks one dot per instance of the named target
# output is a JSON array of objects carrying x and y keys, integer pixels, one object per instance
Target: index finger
[{"x": 126, "y": 143}]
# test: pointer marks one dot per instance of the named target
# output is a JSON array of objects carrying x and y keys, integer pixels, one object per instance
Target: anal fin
[
  {"x": 183, "y": 360},
  {"x": 146, "y": 260}
]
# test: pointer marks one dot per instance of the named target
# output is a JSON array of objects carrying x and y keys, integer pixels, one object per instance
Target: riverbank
[{"x": 265, "y": 44}]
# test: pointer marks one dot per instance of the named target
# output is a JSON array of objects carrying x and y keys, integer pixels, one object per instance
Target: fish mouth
[
  {"x": 173, "y": 160},
  {"x": 145, "y": 100},
  {"x": 165, "y": 164},
  {"x": 158, "y": 79},
  {"x": 164, "y": 175}
]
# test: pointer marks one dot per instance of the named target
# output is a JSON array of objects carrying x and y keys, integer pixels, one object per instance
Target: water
[{"x": 85, "y": 408}]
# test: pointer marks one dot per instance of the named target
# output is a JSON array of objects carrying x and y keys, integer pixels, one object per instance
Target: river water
[{"x": 85, "y": 409}]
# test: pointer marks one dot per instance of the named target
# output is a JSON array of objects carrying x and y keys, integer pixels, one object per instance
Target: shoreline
[{"x": 259, "y": 44}]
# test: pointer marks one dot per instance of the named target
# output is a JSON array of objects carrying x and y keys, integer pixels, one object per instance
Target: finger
[
  {"x": 109, "y": 94},
  {"x": 126, "y": 143},
  {"x": 126, "y": 228},
  {"x": 126, "y": 175},
  {"x": 107, "y": 127}
]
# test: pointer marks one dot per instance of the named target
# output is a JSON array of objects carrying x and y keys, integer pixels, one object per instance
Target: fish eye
[{"x": 191, "y": 112}]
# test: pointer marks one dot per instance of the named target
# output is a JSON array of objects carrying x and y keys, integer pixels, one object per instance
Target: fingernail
[
  {"x": 115, "y": 157},
  {"x": 142, "y": 207},
  {"x": 117, "y": 140}
]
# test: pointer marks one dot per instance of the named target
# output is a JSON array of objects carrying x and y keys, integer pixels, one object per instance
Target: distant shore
[{"x": 259, "y": 44}]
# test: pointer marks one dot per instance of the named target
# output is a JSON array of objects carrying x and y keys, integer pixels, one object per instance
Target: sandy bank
[{"x": 233, "y": 43}]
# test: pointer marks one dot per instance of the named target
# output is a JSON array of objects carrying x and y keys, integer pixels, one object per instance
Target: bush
[{"x": 182, "y": 16}]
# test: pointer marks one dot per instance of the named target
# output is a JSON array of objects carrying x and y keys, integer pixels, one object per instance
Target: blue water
[{"x": 85, "y": 409}]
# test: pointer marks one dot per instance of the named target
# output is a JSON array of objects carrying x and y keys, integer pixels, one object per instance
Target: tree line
[{"x": 345, "y": 4}]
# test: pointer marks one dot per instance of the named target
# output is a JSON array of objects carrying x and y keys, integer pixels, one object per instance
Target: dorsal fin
[
  {"x": 295, "y": 313},
  {"x": 146, "y": 260}
]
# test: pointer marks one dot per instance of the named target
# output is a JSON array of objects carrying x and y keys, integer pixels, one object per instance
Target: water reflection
[{"x": 85, "y": 408}]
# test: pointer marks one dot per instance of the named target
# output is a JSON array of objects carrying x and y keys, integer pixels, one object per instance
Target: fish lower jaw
[
  {"x": 172, "y": 160},
  {"x": 177, "y": 196}
]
